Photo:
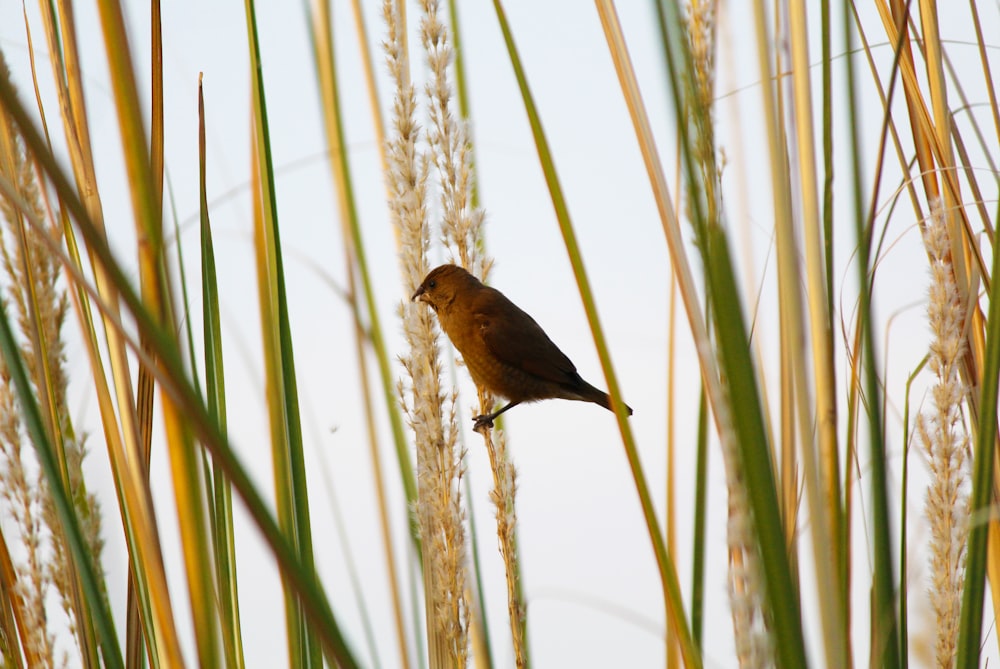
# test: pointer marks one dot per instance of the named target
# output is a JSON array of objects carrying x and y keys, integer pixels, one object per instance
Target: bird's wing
[{"x": 514, "y": 338}]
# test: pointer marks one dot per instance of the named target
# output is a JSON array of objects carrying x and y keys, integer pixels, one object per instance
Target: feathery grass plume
[
  {"x": 451, "y": 149},
  {"x": 439, "y": 462},
  {"x": 41, "y": 306},
  {"x": 20, "y": 495},
  {"x": 702, "y": 26},
  {"x": 462, "y": 234},
  {"x": 946, "y": 440},
  {"x": 20, "y": 491}
]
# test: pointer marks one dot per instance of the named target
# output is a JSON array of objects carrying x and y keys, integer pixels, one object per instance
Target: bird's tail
[{"x": 589, "y": 393}]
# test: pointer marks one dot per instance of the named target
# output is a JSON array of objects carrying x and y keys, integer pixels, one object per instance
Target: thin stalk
[
  {"x": 980, "y": 503},
  {"x": 188, "y": 491},
  {"x": 671, "y": 470},
  {"x": 122, "y": 439},
  {"x": 698, "y": 534},
  {"x": 484, "y": 658},
  {"x": 746, "y": 419},
  {"x": 822, "y": 476},
  {"x": 329, "y": 91},
  {"x": 223, "y": 533},
  {"x": 668, "y": 574},
  {"x": 287, "y": 456},
  {"x": 506, "y": 516},
  {"x": 886, "y": 648},
  {"x": 32, "y": 418},
  {"x": 904, "y": 495},
  {"x": 11, "y": 614}
]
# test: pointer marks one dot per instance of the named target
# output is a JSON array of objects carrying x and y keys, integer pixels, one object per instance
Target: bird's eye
[{"x": 432, "y": 284}]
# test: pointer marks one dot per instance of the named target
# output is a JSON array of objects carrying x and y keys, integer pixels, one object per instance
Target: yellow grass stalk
[
  {"x": 356, "y": 263},
  {"x": 924, "y": 132},
  {"x": 368, "y": 65},
  {"x": 145, "y": 386},
  {"x": 681, "y": 270},
  {"x": 11, "y": 610},
  {"x": 184, "y": 460},
  {"x": 821, "y": 468},
  {"x": 671, "y": 475}
]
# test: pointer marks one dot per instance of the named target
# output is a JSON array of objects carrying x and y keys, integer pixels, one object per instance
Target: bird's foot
[{"x": 482, "y": 423}]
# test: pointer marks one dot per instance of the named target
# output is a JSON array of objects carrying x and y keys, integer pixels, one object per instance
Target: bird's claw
[{"x": 481, "y": 423}]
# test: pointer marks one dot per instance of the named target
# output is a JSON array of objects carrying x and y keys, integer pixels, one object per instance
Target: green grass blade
[
  {"x": 885, "y": 630},
  {"x": 736, "y": 366},
  {"x": 747, "y": 420},
  {"x": 286, "y": 431},
  {"x": 667, "y": 571},
  {"x": 188, "y": 491},
  {"x": 904, "y": 494},
  {"x": 89, "y": 581},
  {"x": 287, "y": 454},
  {"x": 981, "y": 501},
  {"x": 698, "y": 531},
  {"x": 215, "y": 386},
  {"x": 479, "y": 601}
]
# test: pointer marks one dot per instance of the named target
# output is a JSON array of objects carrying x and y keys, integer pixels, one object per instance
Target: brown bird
[{"x": 504, "y": 348}]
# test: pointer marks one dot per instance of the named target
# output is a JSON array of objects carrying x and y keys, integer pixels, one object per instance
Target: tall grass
[{"x": 875, "y": 147}]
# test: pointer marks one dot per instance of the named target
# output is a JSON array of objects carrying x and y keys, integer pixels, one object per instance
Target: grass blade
[
  {"x": 668, "y": 575},
  {"x": 91, "y": 584}
]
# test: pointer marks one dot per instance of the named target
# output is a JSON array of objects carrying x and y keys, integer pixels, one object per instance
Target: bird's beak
[{"x": 418, "y": 294}]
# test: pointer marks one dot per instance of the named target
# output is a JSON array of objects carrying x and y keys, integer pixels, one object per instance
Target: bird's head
[{"x": 439, "y": 288}]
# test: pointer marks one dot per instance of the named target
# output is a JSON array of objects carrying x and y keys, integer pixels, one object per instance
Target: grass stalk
[
  {"x": 741, "y": 425},
  {"x": 884, "y": 626},
  {"x": 80, "y": 551},
  {"x": 821, "y": 468},
  {"x": 12, "y": 627},
  {"x": 971, "y": 625},
  {"x": 329, "y": 92},
  {"x": 221, "y": 498},
  {"x": 322, "y": 39},
  {"x": 502, "y": 496},
  {"x": 145, "y": 387},
  {"x": 286, "y": 446},
  {"x": 671, "y": 590},
  {"x": 146, "y": 206}
]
